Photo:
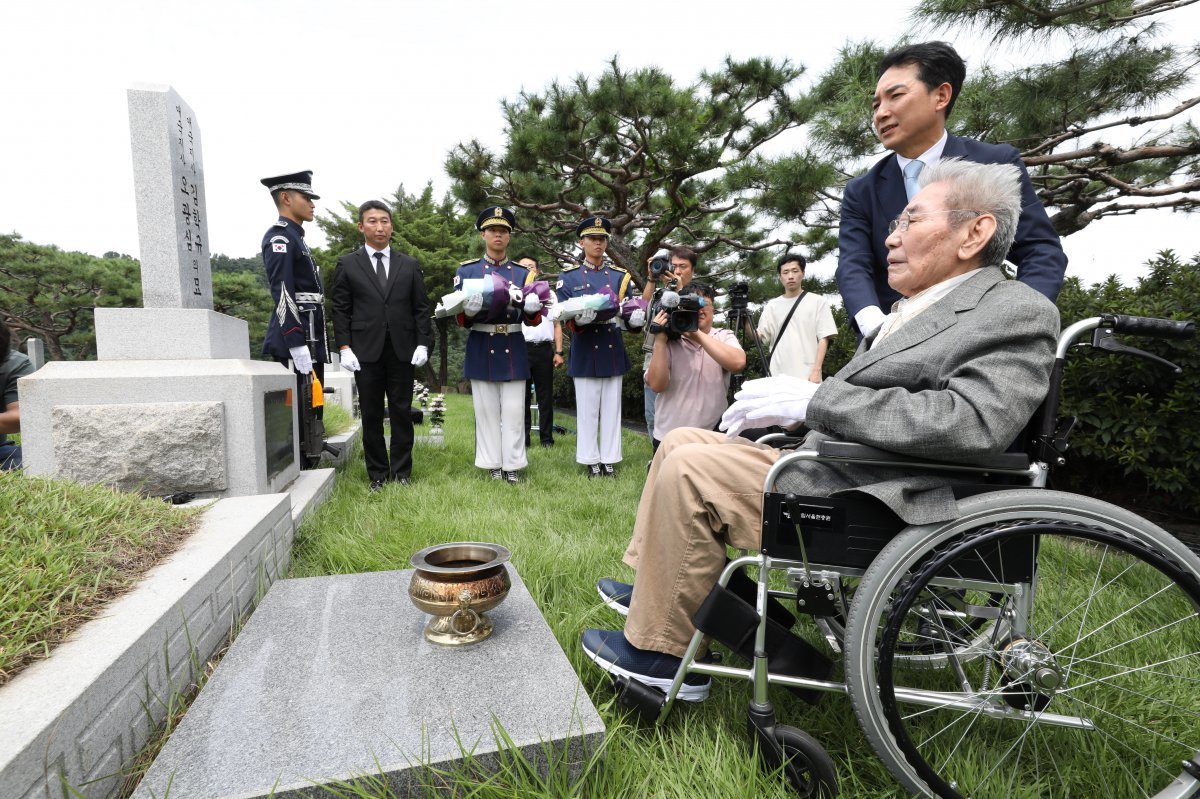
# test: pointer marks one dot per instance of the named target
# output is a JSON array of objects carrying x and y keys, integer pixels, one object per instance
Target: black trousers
[
  {"x": 392, "y": 377},
  {"x": 541, "y": 377}
]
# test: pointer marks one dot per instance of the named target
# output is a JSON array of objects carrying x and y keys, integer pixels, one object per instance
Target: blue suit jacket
[{"x": 872, "y": 200}]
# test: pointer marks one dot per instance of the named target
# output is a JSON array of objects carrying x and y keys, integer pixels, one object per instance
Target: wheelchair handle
[{"x": 1146, "y": 326}]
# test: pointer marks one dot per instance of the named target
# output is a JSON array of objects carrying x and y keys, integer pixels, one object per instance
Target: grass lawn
[
  {"x": 65, "y": 550},
  {"x": 565, "y": 532}
]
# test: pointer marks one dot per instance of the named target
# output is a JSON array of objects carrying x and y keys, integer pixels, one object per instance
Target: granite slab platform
[{"x": 332, "y": 680}]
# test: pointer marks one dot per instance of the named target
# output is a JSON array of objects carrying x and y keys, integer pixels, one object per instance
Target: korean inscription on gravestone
[{"x": 168, "y": 173}]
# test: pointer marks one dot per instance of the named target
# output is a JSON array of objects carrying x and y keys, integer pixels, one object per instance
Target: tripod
[{"x": 741, "y": 321}]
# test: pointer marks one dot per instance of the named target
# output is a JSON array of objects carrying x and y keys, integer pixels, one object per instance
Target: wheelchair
[{"x": 1040, "y": 644}]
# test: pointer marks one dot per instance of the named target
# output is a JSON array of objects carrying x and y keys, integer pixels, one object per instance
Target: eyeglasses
[{"x": 905, "y": 219}]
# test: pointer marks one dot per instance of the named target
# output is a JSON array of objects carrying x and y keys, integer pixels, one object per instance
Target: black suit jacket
[
  {"x": 363, "y": 309},
  {"x": 872, "y": 200}
]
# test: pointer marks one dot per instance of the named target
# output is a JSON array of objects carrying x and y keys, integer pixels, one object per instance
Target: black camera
[
  {"x": 660, "y": 264},
  {"x": 739, "y": 296},
  {"x": 683, "y": 312}
]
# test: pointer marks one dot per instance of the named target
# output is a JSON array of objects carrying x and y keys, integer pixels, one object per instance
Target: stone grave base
[{"x": 332, "y": 680}]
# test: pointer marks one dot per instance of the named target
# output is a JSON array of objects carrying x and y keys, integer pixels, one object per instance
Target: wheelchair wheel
[
  {"x": 1081, "y": 669},
  {"x": 807, "y": 766}
]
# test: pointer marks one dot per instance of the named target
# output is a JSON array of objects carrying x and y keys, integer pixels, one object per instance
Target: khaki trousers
[{"x": 704, "y": 492}]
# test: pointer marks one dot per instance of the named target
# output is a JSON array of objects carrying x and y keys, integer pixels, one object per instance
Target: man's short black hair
[
  {"x": 787, "y": 258},
  {"x": 686, "y": 253},
  {"x": 703, "y": 289},
  {"x": 372, "y": 205},
  {"x": 528, "y": 257},
  {"x": 6, "y": 339},
  {"x": 937, "y": 63}
]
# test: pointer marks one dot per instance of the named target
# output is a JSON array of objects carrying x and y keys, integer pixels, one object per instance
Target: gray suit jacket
[{"x": 958, "y": 382}]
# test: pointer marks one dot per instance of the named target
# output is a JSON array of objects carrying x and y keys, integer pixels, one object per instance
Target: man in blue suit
[{"x": 915, "y": 94}]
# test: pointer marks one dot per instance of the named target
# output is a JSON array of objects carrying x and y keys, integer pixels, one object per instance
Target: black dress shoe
[
  {"x": 402, "y": 481},
  {"x": 608, "y": 469},
  {"x": 593, "y": 470},
  {"x": 547, "y": 444},
  {"x": 376, "y": 486}
]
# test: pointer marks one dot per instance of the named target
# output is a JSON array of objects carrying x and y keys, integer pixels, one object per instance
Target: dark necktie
[{"x": 379, "y": 269}]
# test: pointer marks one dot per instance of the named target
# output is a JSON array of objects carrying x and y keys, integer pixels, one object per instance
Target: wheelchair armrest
[
  {"x": 1016, "y": 464},
  {"x": 1004, "y": 461},
  {"x": 779, "y": 440}
]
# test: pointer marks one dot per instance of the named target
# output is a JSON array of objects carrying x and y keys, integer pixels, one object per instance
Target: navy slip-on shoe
[
  {"x": 615, "y": 594},
  {"x": 610, "y": 651}
]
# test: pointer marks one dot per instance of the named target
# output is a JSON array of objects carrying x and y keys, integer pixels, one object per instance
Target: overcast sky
[{"x": 370, "y": 95}]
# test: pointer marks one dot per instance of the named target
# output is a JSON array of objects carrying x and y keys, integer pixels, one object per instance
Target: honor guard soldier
[
  {"x": 296, "y": 329},
  {"x": 598, "y": 359},
  {"x": 496, "y": 362}
]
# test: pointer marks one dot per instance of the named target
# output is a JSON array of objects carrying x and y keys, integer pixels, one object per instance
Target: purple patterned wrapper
[
  {"x": 631, "y": 305},
  {"x": 539, "y": 287},
  {"x": 610, "y": 307}
]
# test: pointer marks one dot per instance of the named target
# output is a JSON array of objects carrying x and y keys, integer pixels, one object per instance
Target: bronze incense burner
[{"x": 457, "y": 583}]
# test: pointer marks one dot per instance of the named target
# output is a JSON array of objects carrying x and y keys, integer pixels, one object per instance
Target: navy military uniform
[
  {"x": 295, "y": 283},
  {"x": 598, "y": 359},
  {"x": 496, "y": 361}
]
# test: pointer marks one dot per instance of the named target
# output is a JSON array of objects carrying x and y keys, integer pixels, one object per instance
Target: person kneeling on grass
[{"x": 955, "y": 372}]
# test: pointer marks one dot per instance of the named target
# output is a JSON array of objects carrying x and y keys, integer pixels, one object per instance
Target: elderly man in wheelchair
[{"x": 998, "y": 639}]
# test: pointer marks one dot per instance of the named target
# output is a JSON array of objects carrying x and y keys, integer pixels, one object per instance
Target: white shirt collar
[
  {"x": 928, "y": 158},
  {"x": 387, "y": 254}
]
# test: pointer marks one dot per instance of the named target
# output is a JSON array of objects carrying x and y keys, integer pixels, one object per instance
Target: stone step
[{"x": 333, "y": 680}]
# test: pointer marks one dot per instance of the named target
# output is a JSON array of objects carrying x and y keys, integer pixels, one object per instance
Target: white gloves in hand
[
  {"x": 514, "y": 296},
  {"x": 301, "y": 359},
  {"x": 350, "y": 360},
  {"x": 781, "y": 400},
  {"x": 532, "y": 304},
  {"x": 586, "y": 316},
  {"x": 637, "y": 319},
  {"x": 420, "y": 355},
  {"x": 473, "y": 304}
]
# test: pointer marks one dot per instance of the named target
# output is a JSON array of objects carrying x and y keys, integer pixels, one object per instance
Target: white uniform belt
[
  {"x": 514, "y": 327},
  {"x": 309, "y": 296}
]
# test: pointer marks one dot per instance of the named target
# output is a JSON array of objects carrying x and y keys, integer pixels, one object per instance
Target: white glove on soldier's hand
[
  {"x": 301, "y": 359},
  {"x": 515, "y": 297},
  {"x": 532, "y": 304},
  {"x": 586, "y": 316},
  {"x": 637, "y": 319},
  {"x": 473, "y": 304},
  {"x": 350, "y": 360},
  {"x": 420, "y": 355}
]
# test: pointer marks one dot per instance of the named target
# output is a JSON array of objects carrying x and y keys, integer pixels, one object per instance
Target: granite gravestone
[
  {"x": 172, "y": 214},
  {"x": 332, "y": 682},
  {"x": 173, "y": 372}
]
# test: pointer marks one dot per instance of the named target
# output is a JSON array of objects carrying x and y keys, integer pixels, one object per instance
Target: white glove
[
  {"x": 473, "y": 304},
  {"x": 637, "y": 319},
  {"x": 420, "y": 355},
  {"x": 514, "y": 296},
  {"x": 532, "y": 304},
  {"x": 586, "y": 316},
  {"x": 780, "y": 386},
  {"x": 350, "y": 360},
  {"x": 301, "y": 359},
  {"x": 784, "y": 411}
]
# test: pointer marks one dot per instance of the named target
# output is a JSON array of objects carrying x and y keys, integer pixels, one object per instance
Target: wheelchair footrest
[{"x": 732, "y": 621}]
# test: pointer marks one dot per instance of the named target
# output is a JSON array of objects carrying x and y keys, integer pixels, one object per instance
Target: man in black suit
[{"x": 381, "y": 325}]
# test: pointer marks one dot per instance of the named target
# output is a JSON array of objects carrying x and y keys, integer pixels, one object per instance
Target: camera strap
[{"x": 783, "y": 327}]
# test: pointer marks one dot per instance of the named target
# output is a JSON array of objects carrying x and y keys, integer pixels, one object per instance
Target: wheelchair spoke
[{"x": 995, "y": 688}]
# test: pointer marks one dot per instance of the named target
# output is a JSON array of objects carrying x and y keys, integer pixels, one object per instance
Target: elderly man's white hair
[{"x": 986, "y": 188}]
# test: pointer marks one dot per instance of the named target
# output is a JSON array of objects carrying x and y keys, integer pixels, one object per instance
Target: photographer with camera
[
  {"x": 797, "y": 326},
  {"x": 691, "y": 365},
  {"x": 669, "y": 270}
]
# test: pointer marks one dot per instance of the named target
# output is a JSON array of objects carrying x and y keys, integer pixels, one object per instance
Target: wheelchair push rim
[{"x": 1089, "y": 674}]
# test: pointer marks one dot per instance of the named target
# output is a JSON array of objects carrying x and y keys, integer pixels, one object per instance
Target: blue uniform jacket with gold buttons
[
  {"x": 597, "y": 350},
  {"x": 291, "y": 271},
  {"x": 497, "y": 356}
]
